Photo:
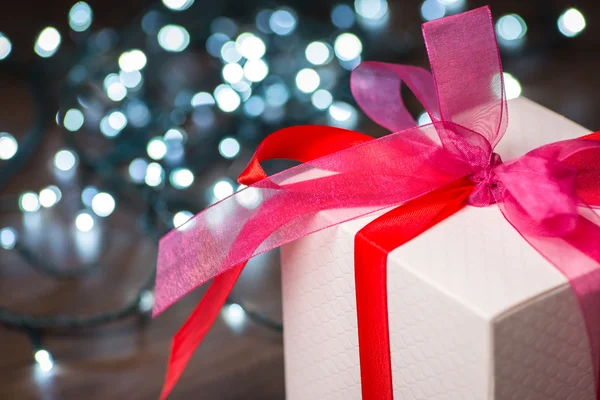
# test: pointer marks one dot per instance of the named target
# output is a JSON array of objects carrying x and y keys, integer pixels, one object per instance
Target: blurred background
[{"x": 121, "y": 119}]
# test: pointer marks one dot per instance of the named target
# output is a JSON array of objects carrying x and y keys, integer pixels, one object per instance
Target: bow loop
[{"x": 545, "y": 189}]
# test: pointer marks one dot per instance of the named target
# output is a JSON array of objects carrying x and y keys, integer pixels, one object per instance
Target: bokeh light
[
  {"x": 84, "y": 222},
  {"x": 371, "y": 9},
  {"x": 256, "y": 70},
  {"x": 155, "y": 175},
  {"x": 318, "y": 53},
  {"x": 321, "y": 99},
  {"x": 65, "y": 160},
  {"x": 250, "y": 46},
  {"x": 173, "y": 38},
  {"x": 8, "y": 146},
  {"x": 80, "y": 16},
  {"x": 511, "y": 27},
  {"x": 229, "y": 147},
  {"x": 222, "y": 189},
  {"x": 8, "y": 238},
  {"x": 178, "y": 5},
  {"x": 571, "y": 23},
  {"x": 132, "y": 60},
  {"x": 5, "y": 46},
  {"x": 227, "y": 99},
  {"x": 307, "y": 80},
  {"x": 181, "y": 217},
  {"x": 156, "y": 148},
  {"x": 137, "y": 170},
  {"x": 432, "y": 9},
  {"x": 103, "y": 204},
  {"x": 47, "y": 42},
  {"x": 512, "y": 86},
  {"x": 181, "y": 178},
  {"x": 347, "y": 46},
  {"x": 29, "y": 202},
  {"x": 49, "y": 196},
  {"x": 73, "y": 120},
  {"x": 282, "y": 22},
  {"x": 342, "y": 16},
  {"x": 342, "y": 115}
]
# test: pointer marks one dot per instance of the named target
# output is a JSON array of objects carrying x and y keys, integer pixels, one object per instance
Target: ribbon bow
[{"x": 427, "y": 173}]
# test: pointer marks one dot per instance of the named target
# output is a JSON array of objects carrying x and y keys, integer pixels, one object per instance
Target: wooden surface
[{"x": 127, "y": 360}]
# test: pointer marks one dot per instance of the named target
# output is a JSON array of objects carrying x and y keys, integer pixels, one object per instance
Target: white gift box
[{"x": 474, "y": 311}]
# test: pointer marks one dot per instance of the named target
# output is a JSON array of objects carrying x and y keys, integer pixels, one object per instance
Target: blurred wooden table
[{"x": 127, "y": 360}]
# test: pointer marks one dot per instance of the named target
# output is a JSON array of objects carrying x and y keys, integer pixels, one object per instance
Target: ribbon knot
[{"x": 486, "y": 183}]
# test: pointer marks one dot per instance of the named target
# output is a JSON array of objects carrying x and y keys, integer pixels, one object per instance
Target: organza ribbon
[{"x": 427, "y": 173}]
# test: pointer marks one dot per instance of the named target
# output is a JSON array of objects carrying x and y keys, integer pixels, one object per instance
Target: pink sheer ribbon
[{"x": 464, "y": 95}]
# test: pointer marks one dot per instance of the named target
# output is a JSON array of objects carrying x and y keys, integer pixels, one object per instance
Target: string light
[
  {"x": 44, "y": 360},
  {"x": 512, "y": 86},
  {"x": 5, "y": 46},
  {"x": 343, "y": 115},
  {"x": 8, "y": 238},
  {"x": 511, "y": 27},
  {"x": 146, "y": 301},
  {"x": 256, "y": 70},
  {"x": 342, "y": 16},
  {"x": 103, "y": 204},
  {"x": 432, "y": 9},
  {"x": 282, "y": 22},
  {"x": 47, "y": 42},
  {"x": 181, "y": 178},
  {"x": 137, "y": 170},
  {"x": 29, "y": 202},
  {"x": 347, "y": 46},
  {"x": 318, "y": 53},
  {"x": 227, "y": 99},
  {"x": 250, "y": 46},
  {"x": 84, "y": 222},
  {"x": 178, "y": 5},
  {"x": 8, "y": 146},
  {"x": 65, "y": 160},
  {"x": 222, "y": 189},
  {"x": 234, "y": 315},
  {"x": 173, "y": 38},
  {"x": 202, "y": 99},
  {"x": 181, "y": 218},
  {"x": 156, "y": 148},
  {"x": 254, "y": 106},
  {"x": 571, "y": 23},
  {"x": 248, "y": 197},
  {"x": 155, "y": 175},
  {"x": 229, "y": 147},
  {"x": 321, "y": 99},
  {"x": 80, "y": 16},
  {"x": 87, "y": 195},
  {"x": 73, "y": 120},
  {"x": 49, "y": 196},
  {"x": 133, "y": 60},
  {"x": 307, "y": 80},
  {"x": 424, "y": 119},
  {"x": 233, "y": 73},
  {"x": 130, "y": 79},
  {"x": 371, "y": 9}
]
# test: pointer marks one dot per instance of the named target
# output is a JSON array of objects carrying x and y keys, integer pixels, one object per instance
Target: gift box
[
  {"x": 455, "y": 260},
  {"x": 474, "y": 311}
]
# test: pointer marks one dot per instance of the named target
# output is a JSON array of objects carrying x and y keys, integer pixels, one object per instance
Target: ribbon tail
[
  {"x": 310, "y": 142},
  {"x": 373, "y": 243},
  {"x": 192, "y": 332}
]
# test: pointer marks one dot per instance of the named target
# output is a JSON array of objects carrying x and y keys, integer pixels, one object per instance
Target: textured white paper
[{"x": 474, "y": 311}]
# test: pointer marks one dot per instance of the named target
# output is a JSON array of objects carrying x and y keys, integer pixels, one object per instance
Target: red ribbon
[
  {"x": 372, "y": 245},
  {"x": 427, "y": 177}
]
